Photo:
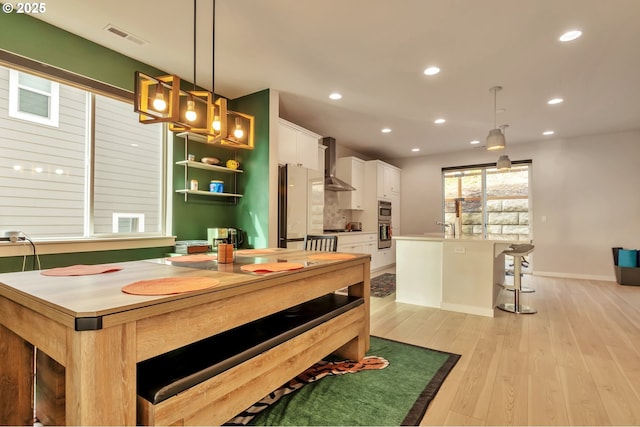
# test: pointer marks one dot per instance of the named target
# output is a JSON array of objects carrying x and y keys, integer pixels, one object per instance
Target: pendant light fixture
[
  {"x": 495, "y": 139},
  {"x": 503, "y": 161},
  {"x": 191, "y": 114},
  {"x": 216, "y": 123},
  {"x": 159, "y": 99}
]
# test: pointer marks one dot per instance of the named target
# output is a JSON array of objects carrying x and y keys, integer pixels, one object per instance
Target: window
[
  {"x": 128, "y": 223},
  {"x": 97, "y": 173},
  {"x": 495, "y": 203},
  {"x": 33, "y": 98}
]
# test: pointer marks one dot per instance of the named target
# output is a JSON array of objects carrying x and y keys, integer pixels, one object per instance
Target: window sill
[{"x": 45, "y": 247}]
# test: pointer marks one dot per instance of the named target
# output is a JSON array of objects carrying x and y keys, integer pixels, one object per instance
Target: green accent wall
[
  {"x": 29, "y": 37},
  {"x": 253, "y": 209}
]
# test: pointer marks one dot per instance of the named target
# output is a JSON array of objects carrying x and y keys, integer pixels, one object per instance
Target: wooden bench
[{"x": 210, "y": 381}]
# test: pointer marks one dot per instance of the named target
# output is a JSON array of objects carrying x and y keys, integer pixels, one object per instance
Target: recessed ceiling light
[
  {"x": 415, "y": 150},
  {"x": 385, "y": 130},
  {"x": 17, "y": 167},
  {"x": 474, "y": 142},
  {"x": 431, "y": 71},
  {"x": 439, "y": 121},
  {"x": 59, "y": 171},
  {"x": 555, "y": 101},
  {"x": 38, "y": 169},
  {"x": 570, "y": 35},
  {"x": 335, "y": 96},
  {"x": 548, "y": 132}
]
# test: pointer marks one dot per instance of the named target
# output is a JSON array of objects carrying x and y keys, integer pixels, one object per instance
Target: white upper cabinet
[
  {"x": 351, "y": 170},
  {"x": 388, "y": 180},
  {"x": 297, "y": 146}
]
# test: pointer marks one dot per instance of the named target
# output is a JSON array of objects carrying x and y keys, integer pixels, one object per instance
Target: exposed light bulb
[
  {"x": 216, "y": 125},
  {"x": 191, "y": 115},
  {"x": 159, "y": 104},
  {"x": 238, "y": 132}
]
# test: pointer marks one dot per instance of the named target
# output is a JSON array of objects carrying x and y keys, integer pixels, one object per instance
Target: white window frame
[
  {"x": 117, "y": 216},
  {"x": 14, "y": 101}
]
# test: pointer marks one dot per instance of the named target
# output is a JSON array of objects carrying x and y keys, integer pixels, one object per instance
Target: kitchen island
[
  {"x": 99, "y": 334},
  {"x": 457, "y": 274}
]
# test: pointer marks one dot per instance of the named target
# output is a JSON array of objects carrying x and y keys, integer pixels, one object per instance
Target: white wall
[{"x": 588, "y": 189}]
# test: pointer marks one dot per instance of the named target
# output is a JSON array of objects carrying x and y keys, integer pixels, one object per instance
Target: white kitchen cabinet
[
  {"x": 383, "y": 258},
  {"x": 388, "y": 180},
  {"x": 297, "y": 146},
  {"x": 358, "y": 243},
  {"x": 351, "y": 170}
]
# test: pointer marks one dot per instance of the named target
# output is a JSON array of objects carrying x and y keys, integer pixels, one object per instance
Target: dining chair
[{"x": 320, "y": 243}]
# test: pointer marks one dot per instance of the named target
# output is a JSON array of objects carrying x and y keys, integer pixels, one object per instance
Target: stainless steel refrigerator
[{"x": 300, "y": 205}]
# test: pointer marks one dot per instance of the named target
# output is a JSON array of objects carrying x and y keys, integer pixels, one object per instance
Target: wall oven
[{"x": 384, "y": 224}]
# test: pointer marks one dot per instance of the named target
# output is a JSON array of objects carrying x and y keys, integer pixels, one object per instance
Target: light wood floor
[{"x": 575, "y": 362}]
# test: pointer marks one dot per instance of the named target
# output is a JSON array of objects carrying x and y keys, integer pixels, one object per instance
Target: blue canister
[{"x": 216, "y": 186}]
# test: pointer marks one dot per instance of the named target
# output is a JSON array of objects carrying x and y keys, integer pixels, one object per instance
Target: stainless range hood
[{"x": 331, "y": 183}]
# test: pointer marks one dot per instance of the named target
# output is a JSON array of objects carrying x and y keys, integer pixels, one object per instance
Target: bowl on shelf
[{"x": 210, "y": 160}]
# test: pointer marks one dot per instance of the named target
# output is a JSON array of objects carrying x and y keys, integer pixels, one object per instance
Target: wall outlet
[
  {"x": 459, "y": 250},
  {"x": 13, "y": 236}
]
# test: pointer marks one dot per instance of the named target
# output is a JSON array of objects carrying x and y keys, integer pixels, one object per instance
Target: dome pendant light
[
  {"x": 504, "y": 162},
  {"x": 495, "y": 139}
]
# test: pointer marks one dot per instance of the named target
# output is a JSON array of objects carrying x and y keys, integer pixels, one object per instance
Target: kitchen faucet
[{"x": 447, "y": 226}]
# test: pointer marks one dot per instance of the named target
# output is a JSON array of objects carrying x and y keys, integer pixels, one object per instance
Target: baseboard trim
[
  {"x": 611, "y": 278},
  {"x": 468, "y": 309}
]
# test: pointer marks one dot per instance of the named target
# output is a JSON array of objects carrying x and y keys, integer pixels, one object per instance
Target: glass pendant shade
[
  {"x": 495, "y": 140},
  {"x": 504, "y": 162}
]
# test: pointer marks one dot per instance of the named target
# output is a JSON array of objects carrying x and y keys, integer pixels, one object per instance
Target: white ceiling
[{"x": 374, "y": 53}]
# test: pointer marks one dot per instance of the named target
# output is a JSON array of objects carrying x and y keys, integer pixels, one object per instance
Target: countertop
[
  {"x": 440, "y": 237},
  {"x": 347, "y": 233}
]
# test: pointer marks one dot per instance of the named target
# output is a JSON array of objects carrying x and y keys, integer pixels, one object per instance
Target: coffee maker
[
  {"x": 235, "y": 237},
  {"x": 215, "y": 236},
  {"x": 224, "y": 235}
]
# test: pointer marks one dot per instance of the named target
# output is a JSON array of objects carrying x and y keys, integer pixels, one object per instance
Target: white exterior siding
[
  {"x": 47, "y": 195},
  {"x": 43, "y": 203},
  {"x": 128, "y": 163}
]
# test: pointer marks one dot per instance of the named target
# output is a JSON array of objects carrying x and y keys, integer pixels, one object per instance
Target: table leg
[
  {"x": 16, "y": 379},
  {"x": 100, "y": 376}
]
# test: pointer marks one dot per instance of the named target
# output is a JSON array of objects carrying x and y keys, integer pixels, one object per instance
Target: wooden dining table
[{"x": 98, "y": 333}]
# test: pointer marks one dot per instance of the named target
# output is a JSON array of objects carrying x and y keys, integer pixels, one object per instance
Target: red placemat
[
  {"x": 252, "y": 252},
  {"x": 169, "y": 285},
  {"x": 81, "y": 270},
  {"x": 331, "y": 256},
  {"x": 192, "y": 258},
  {"x": 271, "y": 267}
]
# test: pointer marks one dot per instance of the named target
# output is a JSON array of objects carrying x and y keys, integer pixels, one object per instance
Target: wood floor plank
[{"x": 575, "y": 362}]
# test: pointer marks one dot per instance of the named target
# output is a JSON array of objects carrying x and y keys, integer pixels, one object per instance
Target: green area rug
[
  {"x": 383, "y": 285},
  {"x": 396, "y": 395}
]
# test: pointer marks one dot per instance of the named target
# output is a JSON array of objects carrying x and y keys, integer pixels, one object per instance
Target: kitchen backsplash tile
[{"x": 334, "y": 217}]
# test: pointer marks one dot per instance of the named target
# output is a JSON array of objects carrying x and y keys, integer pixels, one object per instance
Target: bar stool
[
  {"x": 517, "y": 252},
  {"x": 523, "y": 289}
]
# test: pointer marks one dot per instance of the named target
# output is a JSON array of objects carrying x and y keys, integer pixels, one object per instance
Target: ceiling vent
[{"x": 125, "y": 35}]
